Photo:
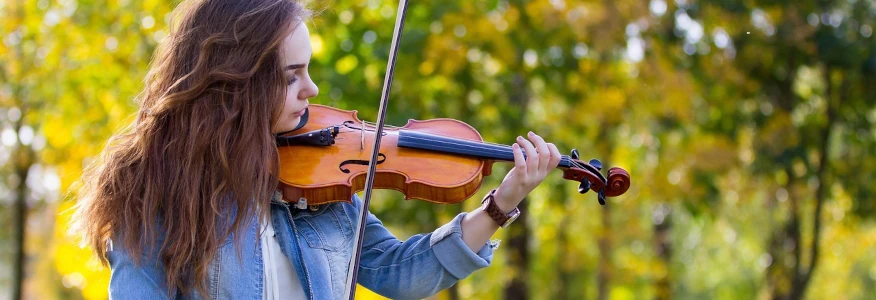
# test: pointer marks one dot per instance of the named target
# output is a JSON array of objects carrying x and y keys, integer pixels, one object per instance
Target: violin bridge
[{"x": 362, "y": 137}]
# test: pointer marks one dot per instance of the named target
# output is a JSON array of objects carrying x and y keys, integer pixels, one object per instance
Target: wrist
[
  {"x": 491, "y": 206},
  {"x": 504, "y": 203},
  {"x": 482, "y": 218}
]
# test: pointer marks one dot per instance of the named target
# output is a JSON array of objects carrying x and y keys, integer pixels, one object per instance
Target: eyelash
[{"x": 294, "y": 77}]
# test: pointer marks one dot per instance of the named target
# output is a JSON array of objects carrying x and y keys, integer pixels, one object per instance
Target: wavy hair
[{"x": 201, "y": 150}]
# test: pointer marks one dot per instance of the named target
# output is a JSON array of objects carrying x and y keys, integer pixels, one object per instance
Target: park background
[{"x": 749, "y": 129}]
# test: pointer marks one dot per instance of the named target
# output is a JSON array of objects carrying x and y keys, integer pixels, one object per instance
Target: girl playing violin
[{"x": 185, "y": 202}]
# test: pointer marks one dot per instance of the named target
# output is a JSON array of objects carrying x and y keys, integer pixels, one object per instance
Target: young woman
[{"x": 185, "y": 203}]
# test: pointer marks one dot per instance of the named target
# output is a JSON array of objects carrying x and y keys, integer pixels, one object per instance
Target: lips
[{"x": 299, "y": 113}]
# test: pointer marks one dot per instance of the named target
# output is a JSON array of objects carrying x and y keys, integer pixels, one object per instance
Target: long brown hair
[{"x": 201, "y": 149}]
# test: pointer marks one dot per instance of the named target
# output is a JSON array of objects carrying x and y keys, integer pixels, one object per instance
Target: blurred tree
[
  {"x": 748, "y": 128},
  {"x": 90, "y": 64},
  {"x": 799, "y": 112},
  {"x": 19, "y": 125}
]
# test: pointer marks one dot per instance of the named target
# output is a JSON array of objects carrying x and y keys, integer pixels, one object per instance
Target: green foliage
[{"x": 720, "y": 110}]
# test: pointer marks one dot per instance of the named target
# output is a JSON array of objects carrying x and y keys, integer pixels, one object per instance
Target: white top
[{"x": 281, "y": 281}]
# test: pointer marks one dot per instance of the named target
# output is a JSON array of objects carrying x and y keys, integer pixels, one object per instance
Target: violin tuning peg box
[
  {"x": 584, "y": 187},
  {"x": 596, "y": 164}
]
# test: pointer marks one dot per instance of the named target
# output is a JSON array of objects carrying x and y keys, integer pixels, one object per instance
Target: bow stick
[{"x": 353, "y": 271}]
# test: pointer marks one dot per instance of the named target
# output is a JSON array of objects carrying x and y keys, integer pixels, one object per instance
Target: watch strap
[{"x": 502, "y": 219}]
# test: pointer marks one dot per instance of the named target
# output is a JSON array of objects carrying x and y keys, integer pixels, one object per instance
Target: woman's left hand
[{"x": 528, "y": 172}]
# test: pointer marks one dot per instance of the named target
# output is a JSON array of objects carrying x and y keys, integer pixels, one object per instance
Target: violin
[{"x": 439, "y": 160}]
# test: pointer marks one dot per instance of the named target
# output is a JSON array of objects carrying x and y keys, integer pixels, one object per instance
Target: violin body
[
  {"x": 418, "y": 174},
  {"x": 438, "y": 160}
]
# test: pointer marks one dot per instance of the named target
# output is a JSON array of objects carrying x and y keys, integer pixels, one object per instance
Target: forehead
[{"x": 296, "y": 47}]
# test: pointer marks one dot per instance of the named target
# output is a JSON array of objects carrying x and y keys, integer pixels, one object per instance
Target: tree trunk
[
  {"x": 604, "y": 275},
  {"x": 778, "y": 273},
  {"x": 792, "y": 284},
  {"x": 603, "y": 279},
  {"x": 519, "y": 257},
  {"x": 20, "y": 221},
  {"x": 518, "y": 234},
  {"x": 801, "y": 279},
  {"x": 23, "y": 158},
  {"x": 563, "y": 256},
  {"x": 663, "y": 249}
]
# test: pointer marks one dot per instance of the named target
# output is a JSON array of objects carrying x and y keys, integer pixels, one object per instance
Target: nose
[{"x": 308, "y": 90}]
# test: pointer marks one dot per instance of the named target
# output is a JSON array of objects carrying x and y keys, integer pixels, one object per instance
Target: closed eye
[
  {"x": 296, "y": 68},
  {"x": 293, "y": 67}
]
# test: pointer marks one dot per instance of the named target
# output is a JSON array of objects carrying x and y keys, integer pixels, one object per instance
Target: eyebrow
[
  {"x": 297, "y": 66},
  {"x": 293, "y": 67}
]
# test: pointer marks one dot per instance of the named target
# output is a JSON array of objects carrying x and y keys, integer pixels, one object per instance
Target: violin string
[
  {"x": 471, "y": 144},
  {"x": 475, "y": 145},
  {"x": 401, "y": 128},
  {"x": 564, "y": 157},
  {"x": 481, "y": 142}
]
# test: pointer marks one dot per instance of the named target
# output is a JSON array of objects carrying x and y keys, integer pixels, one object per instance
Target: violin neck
[{"x": 437, "y": 143}]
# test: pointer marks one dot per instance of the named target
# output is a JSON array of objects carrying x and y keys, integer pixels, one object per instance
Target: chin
[{"x": 288, "y": 125}]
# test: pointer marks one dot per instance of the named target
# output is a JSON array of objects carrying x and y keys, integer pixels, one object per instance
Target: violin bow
[{"x": 353, "y": 271}]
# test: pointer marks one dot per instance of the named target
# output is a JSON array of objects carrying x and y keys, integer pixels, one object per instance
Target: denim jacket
[{"x": 319, "y": 243}]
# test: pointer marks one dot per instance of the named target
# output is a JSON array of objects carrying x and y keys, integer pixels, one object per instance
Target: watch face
[{"x": 512, "y": 216}]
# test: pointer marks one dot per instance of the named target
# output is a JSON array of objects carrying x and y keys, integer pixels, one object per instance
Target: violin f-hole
[{"x": 381, "y": 158}]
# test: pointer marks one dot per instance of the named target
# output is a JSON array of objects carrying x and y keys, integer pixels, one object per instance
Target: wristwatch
[{"x": 503, "y": 219}]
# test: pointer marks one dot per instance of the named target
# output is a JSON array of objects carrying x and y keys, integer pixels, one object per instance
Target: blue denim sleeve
[
  {"x": 421, "y": 266},
  {"x": 131, "y": 281}
]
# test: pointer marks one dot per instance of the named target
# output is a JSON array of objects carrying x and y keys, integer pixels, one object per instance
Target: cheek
[{"x": 289, "y": 101}]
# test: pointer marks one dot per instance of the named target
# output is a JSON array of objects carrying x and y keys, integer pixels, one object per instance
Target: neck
[{"x": 430, "y": 142}]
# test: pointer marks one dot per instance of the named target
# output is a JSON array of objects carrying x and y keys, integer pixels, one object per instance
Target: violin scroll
[
  {"x": 588, "y": 173},
  {"x": 618, "y": 182}
]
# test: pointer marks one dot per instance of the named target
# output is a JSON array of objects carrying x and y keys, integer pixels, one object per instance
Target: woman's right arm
[{"x": 132, "y": 281}]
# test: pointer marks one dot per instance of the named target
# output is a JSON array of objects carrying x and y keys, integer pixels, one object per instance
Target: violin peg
[
  {"x": 584, "y": 187},
  {"x": 574, "y": 153},
  {"x": 596, "y": 164},
  {"x": 601, "y": 196}
]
